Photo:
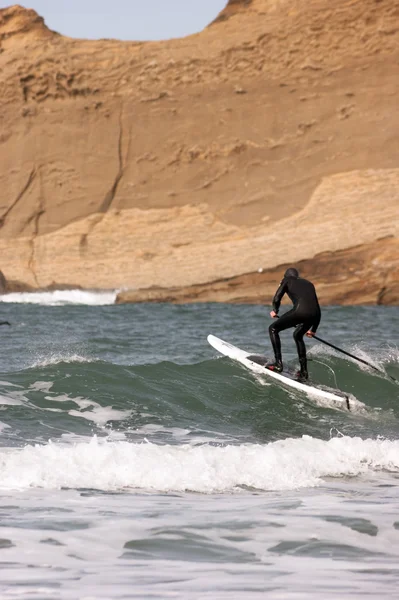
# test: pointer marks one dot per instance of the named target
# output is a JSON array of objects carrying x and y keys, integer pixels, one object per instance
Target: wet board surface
[{"x": 256, "y": 363}]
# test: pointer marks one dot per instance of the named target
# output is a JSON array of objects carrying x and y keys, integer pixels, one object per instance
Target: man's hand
[
  {"x": 310, "y": 333},
  {"x": 273, "y": 314}
]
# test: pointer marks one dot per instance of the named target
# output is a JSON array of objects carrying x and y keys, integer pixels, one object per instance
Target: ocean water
[{"x": 137, "y": 463}]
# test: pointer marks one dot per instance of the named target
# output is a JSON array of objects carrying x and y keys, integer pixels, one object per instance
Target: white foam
[
  {"x": 41, "y": 386},
  {"x": 9, "y": 400},
  {"x": 100, "y": 414},
  {"x": 61, "y": 357},
  {"x": 8, "y": 384},
  {"x": 282, "y": 465},
  {"x": 62, "y": 297},
  {"x": 90, "y": 410},
  {"x": 14, "y": 397}
]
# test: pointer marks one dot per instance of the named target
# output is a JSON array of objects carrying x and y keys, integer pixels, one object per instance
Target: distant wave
[
  {"x": 58, "y": 358},
  {"x": 284, "y": 465},
  {"x": 62, "y": 297}
]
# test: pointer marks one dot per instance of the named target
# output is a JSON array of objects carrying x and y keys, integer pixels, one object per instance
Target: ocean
[{"x": 135, "y": 462}]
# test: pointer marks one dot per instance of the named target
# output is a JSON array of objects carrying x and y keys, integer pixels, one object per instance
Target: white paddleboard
[{"x": 242, "y": 357}]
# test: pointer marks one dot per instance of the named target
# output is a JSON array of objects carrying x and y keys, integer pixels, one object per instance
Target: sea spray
[{"x": 284, "y": 465}]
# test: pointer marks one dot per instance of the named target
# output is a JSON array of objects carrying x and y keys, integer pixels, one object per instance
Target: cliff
[{"x": 269, "y": 138}]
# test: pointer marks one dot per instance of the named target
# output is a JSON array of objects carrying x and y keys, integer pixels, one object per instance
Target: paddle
[
  {"x": 315, "y": 337},
  {"x": 353, "y": 356}
]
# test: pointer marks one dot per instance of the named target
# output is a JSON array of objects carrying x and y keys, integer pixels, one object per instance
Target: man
[{"x": 304, "y": 316}]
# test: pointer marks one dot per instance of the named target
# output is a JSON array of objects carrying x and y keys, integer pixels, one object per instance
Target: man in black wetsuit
[{"x": 304, "y": 316}]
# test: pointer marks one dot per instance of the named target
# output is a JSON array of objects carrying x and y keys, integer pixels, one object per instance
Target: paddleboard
[{"x": 256, "y": 363}]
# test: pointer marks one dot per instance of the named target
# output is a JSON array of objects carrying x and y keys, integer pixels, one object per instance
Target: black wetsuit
[{"x": 304, "y": 315}]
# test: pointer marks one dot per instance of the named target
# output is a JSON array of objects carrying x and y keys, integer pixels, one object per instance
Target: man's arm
[
  {"x": 279, "y": 295},
  {"x": 316, "y": 323}
]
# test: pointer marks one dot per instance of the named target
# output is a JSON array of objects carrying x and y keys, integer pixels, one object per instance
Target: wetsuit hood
[{"x": 291, "y": 272}]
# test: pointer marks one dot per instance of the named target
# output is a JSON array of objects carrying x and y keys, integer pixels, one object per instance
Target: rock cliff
[{"x": 269, "y": 138}]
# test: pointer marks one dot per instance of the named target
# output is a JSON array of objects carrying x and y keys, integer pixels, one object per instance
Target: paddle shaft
[
  {"x": 351, "y": 355},
  {"x": 347, "y": 353},
  {"x": 355, "y": 357}
]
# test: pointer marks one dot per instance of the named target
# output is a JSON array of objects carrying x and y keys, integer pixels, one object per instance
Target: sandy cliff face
[{"x": 269, "y": 138}]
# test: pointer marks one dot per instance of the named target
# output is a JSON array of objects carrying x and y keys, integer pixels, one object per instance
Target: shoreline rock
[{"x": 364, "y": 275}]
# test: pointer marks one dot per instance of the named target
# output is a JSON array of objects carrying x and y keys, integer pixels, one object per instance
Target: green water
[{"x": 136, "y": 462}]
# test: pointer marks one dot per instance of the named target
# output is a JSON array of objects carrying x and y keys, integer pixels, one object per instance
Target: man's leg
[
  {"x": 299, "y": 332},
  {"x": 284, "y": 322}
]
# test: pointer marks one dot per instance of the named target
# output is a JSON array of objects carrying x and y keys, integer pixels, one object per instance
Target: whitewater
[{"x": 135, "y": 462}]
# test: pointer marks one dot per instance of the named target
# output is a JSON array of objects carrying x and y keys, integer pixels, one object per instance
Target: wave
[
  {"x": 283, "y": 465},
  {"x": 213, "y": 400},
  {"x": 61, "y": 357},
  {"x": 62, "y": 297},
  {"x": 379, "y": 358}
]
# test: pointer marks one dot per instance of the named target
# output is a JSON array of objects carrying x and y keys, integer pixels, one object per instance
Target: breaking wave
[{"x": 62, "y": 297}]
